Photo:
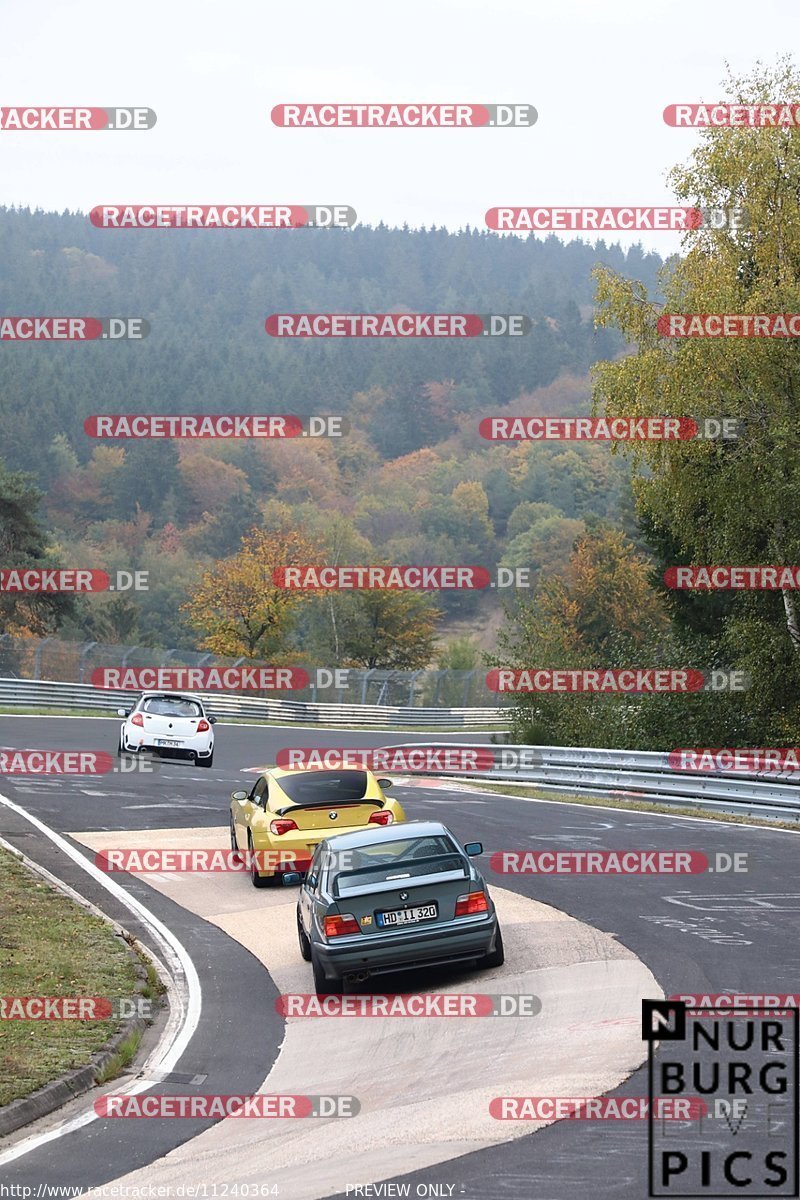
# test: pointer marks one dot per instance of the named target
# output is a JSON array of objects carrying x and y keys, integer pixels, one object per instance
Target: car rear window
[
  {"x": 401, "y": 859},
  {"x": 171, "y": 706},
  {"x": 310, "y": 787}
]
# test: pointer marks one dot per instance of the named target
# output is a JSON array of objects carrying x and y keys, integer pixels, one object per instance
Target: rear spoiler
[
  {"x": 328, "y": 804},
  {"x": 391, "y": 884}
]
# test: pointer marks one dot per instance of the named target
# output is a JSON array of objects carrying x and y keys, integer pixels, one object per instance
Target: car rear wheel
[
  {"x": 496, "y": 957},
  {"x": 305, "y": 944},
  {"x": 205, "y": 762},
  {"x": 257, "y": 880},
  {"x": 322, "y": 985}
]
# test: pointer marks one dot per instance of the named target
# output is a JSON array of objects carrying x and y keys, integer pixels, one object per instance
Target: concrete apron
[{"x": 424, "y": 1083}]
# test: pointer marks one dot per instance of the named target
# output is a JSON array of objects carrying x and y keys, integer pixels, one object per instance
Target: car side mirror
[
  {"x": 238, "y": 796},
  {"x": 123, "y": 712},
  {"x": 290, "y": 877},
  {"x": 212, "y": 720},
  {"x": 473, "y": 849},
  {"x": 385, "y": 784},
  {"x": 311, "y": 880}
]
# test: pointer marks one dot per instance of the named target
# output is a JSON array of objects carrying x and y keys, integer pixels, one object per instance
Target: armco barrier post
[
  {"x": 128, "y": 652},
  {"x": 414, "y": 676},
  {"x": 85, "y": 652},
  {"x": 37, "y": 661}
]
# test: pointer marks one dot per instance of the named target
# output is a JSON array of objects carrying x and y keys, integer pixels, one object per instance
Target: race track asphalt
[{"x": 705, "y": 933}]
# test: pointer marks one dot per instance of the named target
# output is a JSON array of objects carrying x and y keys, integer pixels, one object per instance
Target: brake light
[
  {"x": 474, "y": 902},
  {"x": 203, "y": 726},
  {"x": 282, "y": 825},
  {"x": 381, "y": 818},
  {"x": 340, "y": 924},
  {"x": 136, "y": 719}
]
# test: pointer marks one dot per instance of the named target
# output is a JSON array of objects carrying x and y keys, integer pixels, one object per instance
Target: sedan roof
[
  {"x": 388, "y": 833},
  {"x": 281, "y": 772},
  {"x": 166, "y": 694}
]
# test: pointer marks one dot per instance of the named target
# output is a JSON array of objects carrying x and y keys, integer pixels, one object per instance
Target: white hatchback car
[{"x": 170, "y": 724}]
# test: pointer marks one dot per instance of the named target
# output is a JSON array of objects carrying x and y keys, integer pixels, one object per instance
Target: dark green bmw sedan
[{"x": 389, "y": 899}]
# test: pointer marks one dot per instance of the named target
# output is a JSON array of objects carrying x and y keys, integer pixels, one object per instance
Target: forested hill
[
  {"x": 412, "y": 482},
  {"x": 206, "y": 294}
]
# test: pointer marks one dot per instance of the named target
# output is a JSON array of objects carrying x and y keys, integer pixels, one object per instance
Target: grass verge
[
  {"x": 124, "y": 1054},
  {"x": 50, "y": 946}
]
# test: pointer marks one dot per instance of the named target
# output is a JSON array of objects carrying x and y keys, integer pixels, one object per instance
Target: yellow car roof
[{"x": 280, "y": 772}]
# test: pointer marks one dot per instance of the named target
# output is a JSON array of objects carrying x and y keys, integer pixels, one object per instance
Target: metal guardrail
[
  {"x": 631, "y": 774},
  {"x": 636, "y": 774},
  {"x": 54, "y": 660},
  {"x": 46, "y": 694}
]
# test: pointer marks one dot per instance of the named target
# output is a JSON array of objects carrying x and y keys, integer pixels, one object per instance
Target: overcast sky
[{"x": 599, "y": 74}]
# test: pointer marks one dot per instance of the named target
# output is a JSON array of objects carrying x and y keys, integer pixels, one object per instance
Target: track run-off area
[{"x": 590, "y": 947}]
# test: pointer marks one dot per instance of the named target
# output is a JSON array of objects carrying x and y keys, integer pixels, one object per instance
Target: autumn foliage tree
[
  {"x": 393, "y": 630},
  {"x": 731, "y": 501},
  {"x": 23, "y": 543},
  {"x": 604, "y": 594},
  {"x": 601, "y": 612},
  {"x": 237, "y": 608}
]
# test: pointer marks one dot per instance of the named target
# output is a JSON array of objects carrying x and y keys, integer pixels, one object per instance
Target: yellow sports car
[{"x": 287, "y": 812}]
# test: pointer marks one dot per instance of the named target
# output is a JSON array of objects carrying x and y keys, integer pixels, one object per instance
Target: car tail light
[
  {"x": 474, "y": 902},
  {"x": 282, "y": 825},
  {"x": 136, "y": 719},
  {"x": 340, "y": 924},
  {"x": 203, "y": 727},
  {"x": 381, "y": 818}
]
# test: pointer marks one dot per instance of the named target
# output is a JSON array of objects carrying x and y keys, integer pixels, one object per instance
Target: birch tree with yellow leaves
[
  {"x": 237, "y": 607},
  {"x": 731, "y": 501}
]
